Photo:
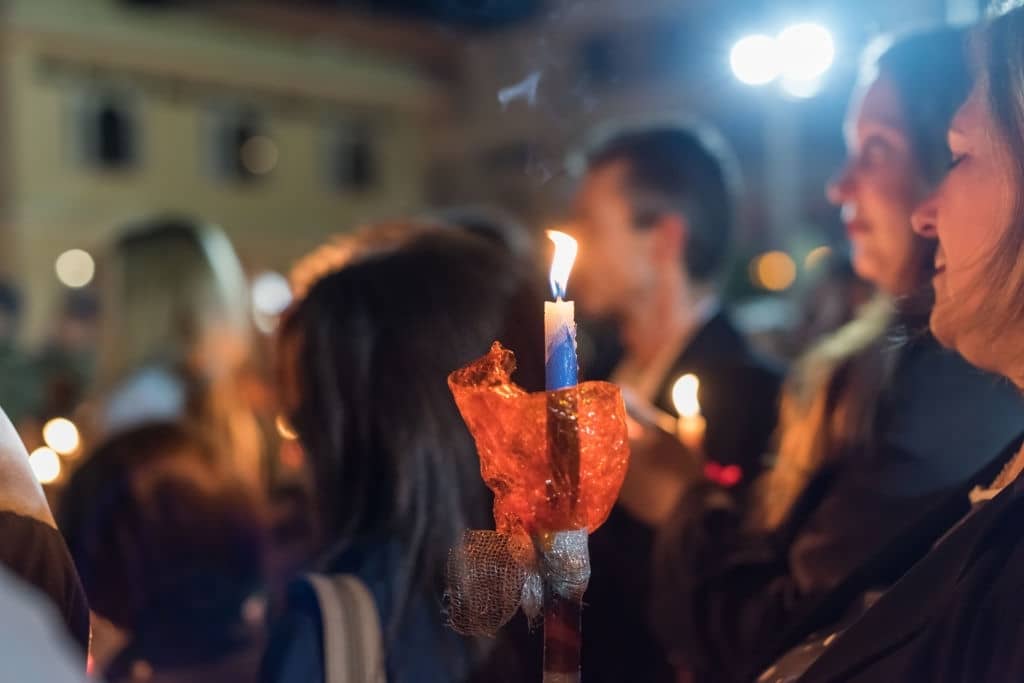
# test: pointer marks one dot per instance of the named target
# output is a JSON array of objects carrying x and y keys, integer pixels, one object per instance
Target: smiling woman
[
  {"x": 977, "y": 216},
  {"x": 956, "y": 615}
]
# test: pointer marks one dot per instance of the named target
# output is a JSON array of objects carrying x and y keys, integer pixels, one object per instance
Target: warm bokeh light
[
  {"x": 61, "y": 435},
  {"x": 284, "y": 429},
  {"x": 805, "y": 52},
  {"x": 45, "y": 464},
  {"x": 75, "y": 268},
  {"x": 755, "y": 60},
  {"x": 684, "y": 396},
  {"x": 774, "y": 271},
  {"x": 561, "y": 265},
  {"x": 259, "y": 155},
  {"x": 817, "y": 257}
]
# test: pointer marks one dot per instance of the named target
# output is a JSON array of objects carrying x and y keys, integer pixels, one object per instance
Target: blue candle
[{"x": 561, "y": 367}]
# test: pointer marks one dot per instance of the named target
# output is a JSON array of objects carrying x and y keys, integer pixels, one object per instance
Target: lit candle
[
  {"x": 691, "y": 425},
  {"x": 561, "y": 367}
]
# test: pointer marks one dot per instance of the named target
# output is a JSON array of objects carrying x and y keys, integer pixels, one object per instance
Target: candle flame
[
  {"x": 561, "y": 265},
  {"x": 684, "y": 396}
]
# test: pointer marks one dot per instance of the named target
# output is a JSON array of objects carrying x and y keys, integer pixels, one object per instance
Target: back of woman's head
[
  {"x": 162, "y": 534},
  {"x": 931, "y": 73},
  {"x": 364, "y": 358},
  {"x": 171, "y": 285}
]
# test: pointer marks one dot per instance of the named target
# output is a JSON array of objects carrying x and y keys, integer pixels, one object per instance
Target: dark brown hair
[
  {"x": 364, "y": 359},
  {"x": 678, "y": 170},
  {"x": 831, "y": 399},
  {"x": 161, "y": 532}
]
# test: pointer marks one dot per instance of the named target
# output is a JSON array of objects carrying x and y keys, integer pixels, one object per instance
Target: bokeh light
[
  {"x": 61, "y": 435},
  {"x": 45, "y": 464},
  {"x": 271, "y": 293},
  {"x": 755, "y": 59},
  {"x": 75, "y": 268},
  {"x": 817, "y": 257},
  {"x": 805, "y": 52},
  {"x": 801, "y": 89},
  {"x": 259, "y": 155},
  {"x": 774, "y": 271},
  {"x": 284, "y": 429}
]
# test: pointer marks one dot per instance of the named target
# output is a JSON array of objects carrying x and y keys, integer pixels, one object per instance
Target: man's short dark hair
[{"x": 673, "y": 169}]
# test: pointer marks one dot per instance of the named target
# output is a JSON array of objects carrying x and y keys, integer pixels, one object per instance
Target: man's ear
[{"x": 671, "y": 237}]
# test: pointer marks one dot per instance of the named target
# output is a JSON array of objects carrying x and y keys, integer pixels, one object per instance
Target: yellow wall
[{"x": 55, "y": 204}]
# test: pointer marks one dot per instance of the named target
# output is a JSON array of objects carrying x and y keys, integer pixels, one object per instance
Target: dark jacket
[
  {"x": 727, "y": 595},
  {"x": 739, "y": 393},
  {"x": 423, "y": 650},
  {"x": 958, "y": 615}
]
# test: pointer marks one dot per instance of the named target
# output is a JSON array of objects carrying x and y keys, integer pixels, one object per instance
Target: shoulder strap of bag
[{"x": 353, "y": 648}]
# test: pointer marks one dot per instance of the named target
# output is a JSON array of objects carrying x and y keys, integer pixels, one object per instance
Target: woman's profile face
[
  {"x": 969, "y": 214},
  {"x": 879, "y": 188}
]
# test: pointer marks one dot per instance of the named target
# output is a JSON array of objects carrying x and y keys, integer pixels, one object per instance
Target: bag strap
[{"x": 353, "y": 648}]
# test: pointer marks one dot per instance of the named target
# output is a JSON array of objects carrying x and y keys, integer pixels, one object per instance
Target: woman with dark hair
[
  {"x": 363, "y": 358},
  {"x": 169, "y": 544},
  {"x": 957, "y": 615},
  {"x": 876, "y": 452}
]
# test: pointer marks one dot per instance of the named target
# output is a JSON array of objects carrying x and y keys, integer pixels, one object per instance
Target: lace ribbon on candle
[{"x": 539, "y": 490}]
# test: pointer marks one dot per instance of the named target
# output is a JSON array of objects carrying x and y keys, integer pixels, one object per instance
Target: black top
[
  {"x": 728, "y": 595},
  {"x": 958, "y": 615},
  {"x": 36, "y": 553},
  {"x": 739, "y": 393}
]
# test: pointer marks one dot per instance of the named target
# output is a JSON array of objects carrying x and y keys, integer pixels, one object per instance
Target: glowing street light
[
  {"x": 755, "y": 60},
  {"x": 798, "y": 57},
  {"x": 806, "y": 51}
]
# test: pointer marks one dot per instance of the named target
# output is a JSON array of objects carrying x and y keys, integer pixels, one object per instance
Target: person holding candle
[
  {"x": 653, "y": 215},
  {"x": 363, "y": 359},
  {"x": 877, "y": 450}
]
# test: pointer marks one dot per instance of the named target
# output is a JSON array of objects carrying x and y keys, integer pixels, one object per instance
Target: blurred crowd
[{"x": 847, "y": 506}]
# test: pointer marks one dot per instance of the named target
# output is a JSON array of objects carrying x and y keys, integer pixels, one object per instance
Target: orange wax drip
[{"x": 510, "y": 427}]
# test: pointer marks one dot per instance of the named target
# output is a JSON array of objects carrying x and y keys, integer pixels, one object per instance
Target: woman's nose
[
  {"x": 923, "y": 218},
  {"x": 839, "y": 188}
]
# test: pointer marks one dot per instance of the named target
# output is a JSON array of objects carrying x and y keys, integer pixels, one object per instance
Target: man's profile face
[{"x": 614, "y": 266}]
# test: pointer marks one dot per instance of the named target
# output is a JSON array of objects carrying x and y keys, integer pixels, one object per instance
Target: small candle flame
[
  {"x": 561, "y": 265},
  {"x": 684, "y": 396}
]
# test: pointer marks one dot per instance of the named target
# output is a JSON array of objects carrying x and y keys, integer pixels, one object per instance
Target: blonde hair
[
  {"x": 828, "y": 408},
  {"x": 168, "y": 283}
]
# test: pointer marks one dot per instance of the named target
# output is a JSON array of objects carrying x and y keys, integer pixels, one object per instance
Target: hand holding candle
[{"x": 691, "y": 425}]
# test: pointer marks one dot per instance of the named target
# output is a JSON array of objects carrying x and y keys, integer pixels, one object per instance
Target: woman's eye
[
  {"x": 957, "y": 158},
  {"x": 875, "y": 153}
]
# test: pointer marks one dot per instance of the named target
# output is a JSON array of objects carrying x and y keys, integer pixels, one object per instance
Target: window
[
  {"x": 237, "y": 145},
  {"x": 599, "y": 60},
  {"x": 106, "y": 134},
  {"x": 351, "y": 163}
]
